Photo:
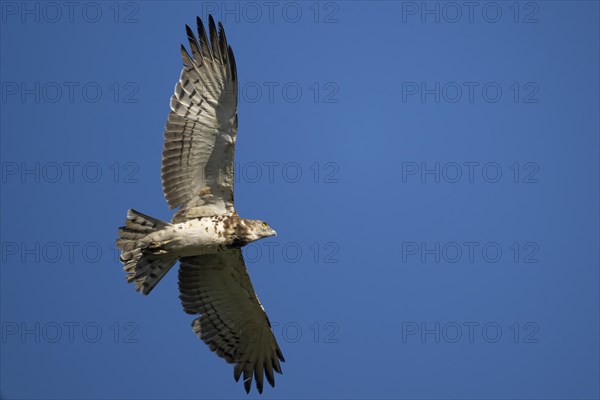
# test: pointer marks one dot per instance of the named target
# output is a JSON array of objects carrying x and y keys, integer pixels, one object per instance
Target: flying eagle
[{"x": 206, "y": 234}]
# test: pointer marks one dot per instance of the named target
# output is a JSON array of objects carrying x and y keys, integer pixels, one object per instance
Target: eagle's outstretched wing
[
  {"x": 200, "y": 134},
  {"x": 233, "y": 323}
]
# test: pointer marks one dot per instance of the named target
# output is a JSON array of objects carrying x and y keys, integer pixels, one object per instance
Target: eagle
[{"x": 206, "y": 234}]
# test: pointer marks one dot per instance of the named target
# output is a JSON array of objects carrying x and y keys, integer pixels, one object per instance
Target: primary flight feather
[{"x": 206, "y": 234}]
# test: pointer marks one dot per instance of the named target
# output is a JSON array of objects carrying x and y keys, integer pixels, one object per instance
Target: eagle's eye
[{"x": 264, "y": 225}]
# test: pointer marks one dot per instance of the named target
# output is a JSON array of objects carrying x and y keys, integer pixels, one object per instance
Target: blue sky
[{"x": 432, "y": 170}]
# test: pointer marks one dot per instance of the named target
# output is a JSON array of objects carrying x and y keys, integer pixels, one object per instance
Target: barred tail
[{"x": 142, "y": 262}]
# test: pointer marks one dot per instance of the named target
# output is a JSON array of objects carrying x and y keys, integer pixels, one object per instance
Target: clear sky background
[{"x": 432, "y": 170}]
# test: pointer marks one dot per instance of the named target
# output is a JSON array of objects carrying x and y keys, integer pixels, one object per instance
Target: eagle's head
[
  {"x": 244, "y": 231},
  {"x": 259, "y": 229}
]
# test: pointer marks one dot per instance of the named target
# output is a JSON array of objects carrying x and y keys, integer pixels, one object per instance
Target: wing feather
[
  {"x": 223, "y": 44},
  {"x": 201, "y": 129},
  {"x": 194, "y": 45},
  {"x": 214, "y": 39},
  {"x": 205, "y": 46},
  {"x": 233, "y": 323}
]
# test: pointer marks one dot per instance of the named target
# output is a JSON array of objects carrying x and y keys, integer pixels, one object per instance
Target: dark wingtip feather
[
  {"x": 269, "y": 374},
  {"x": 194, "y": 46},
  {"x": 187, "y": 60},
  {"x": 214, "y": 38},
  {"x": 259, "y": 377},
  {"x": 233, "y": 74},
  {"x": 223, "y": 43},
  {"x": 204, "y": 45},
  {"x": 247, "y": 377},
  {"x": 280, "y": 355},
  {"x": 184, "y": 54},
  {"x": 188, "y": 31},
  {"x": 276, "y": 366},
  {"x": 237, "y": 372}
]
